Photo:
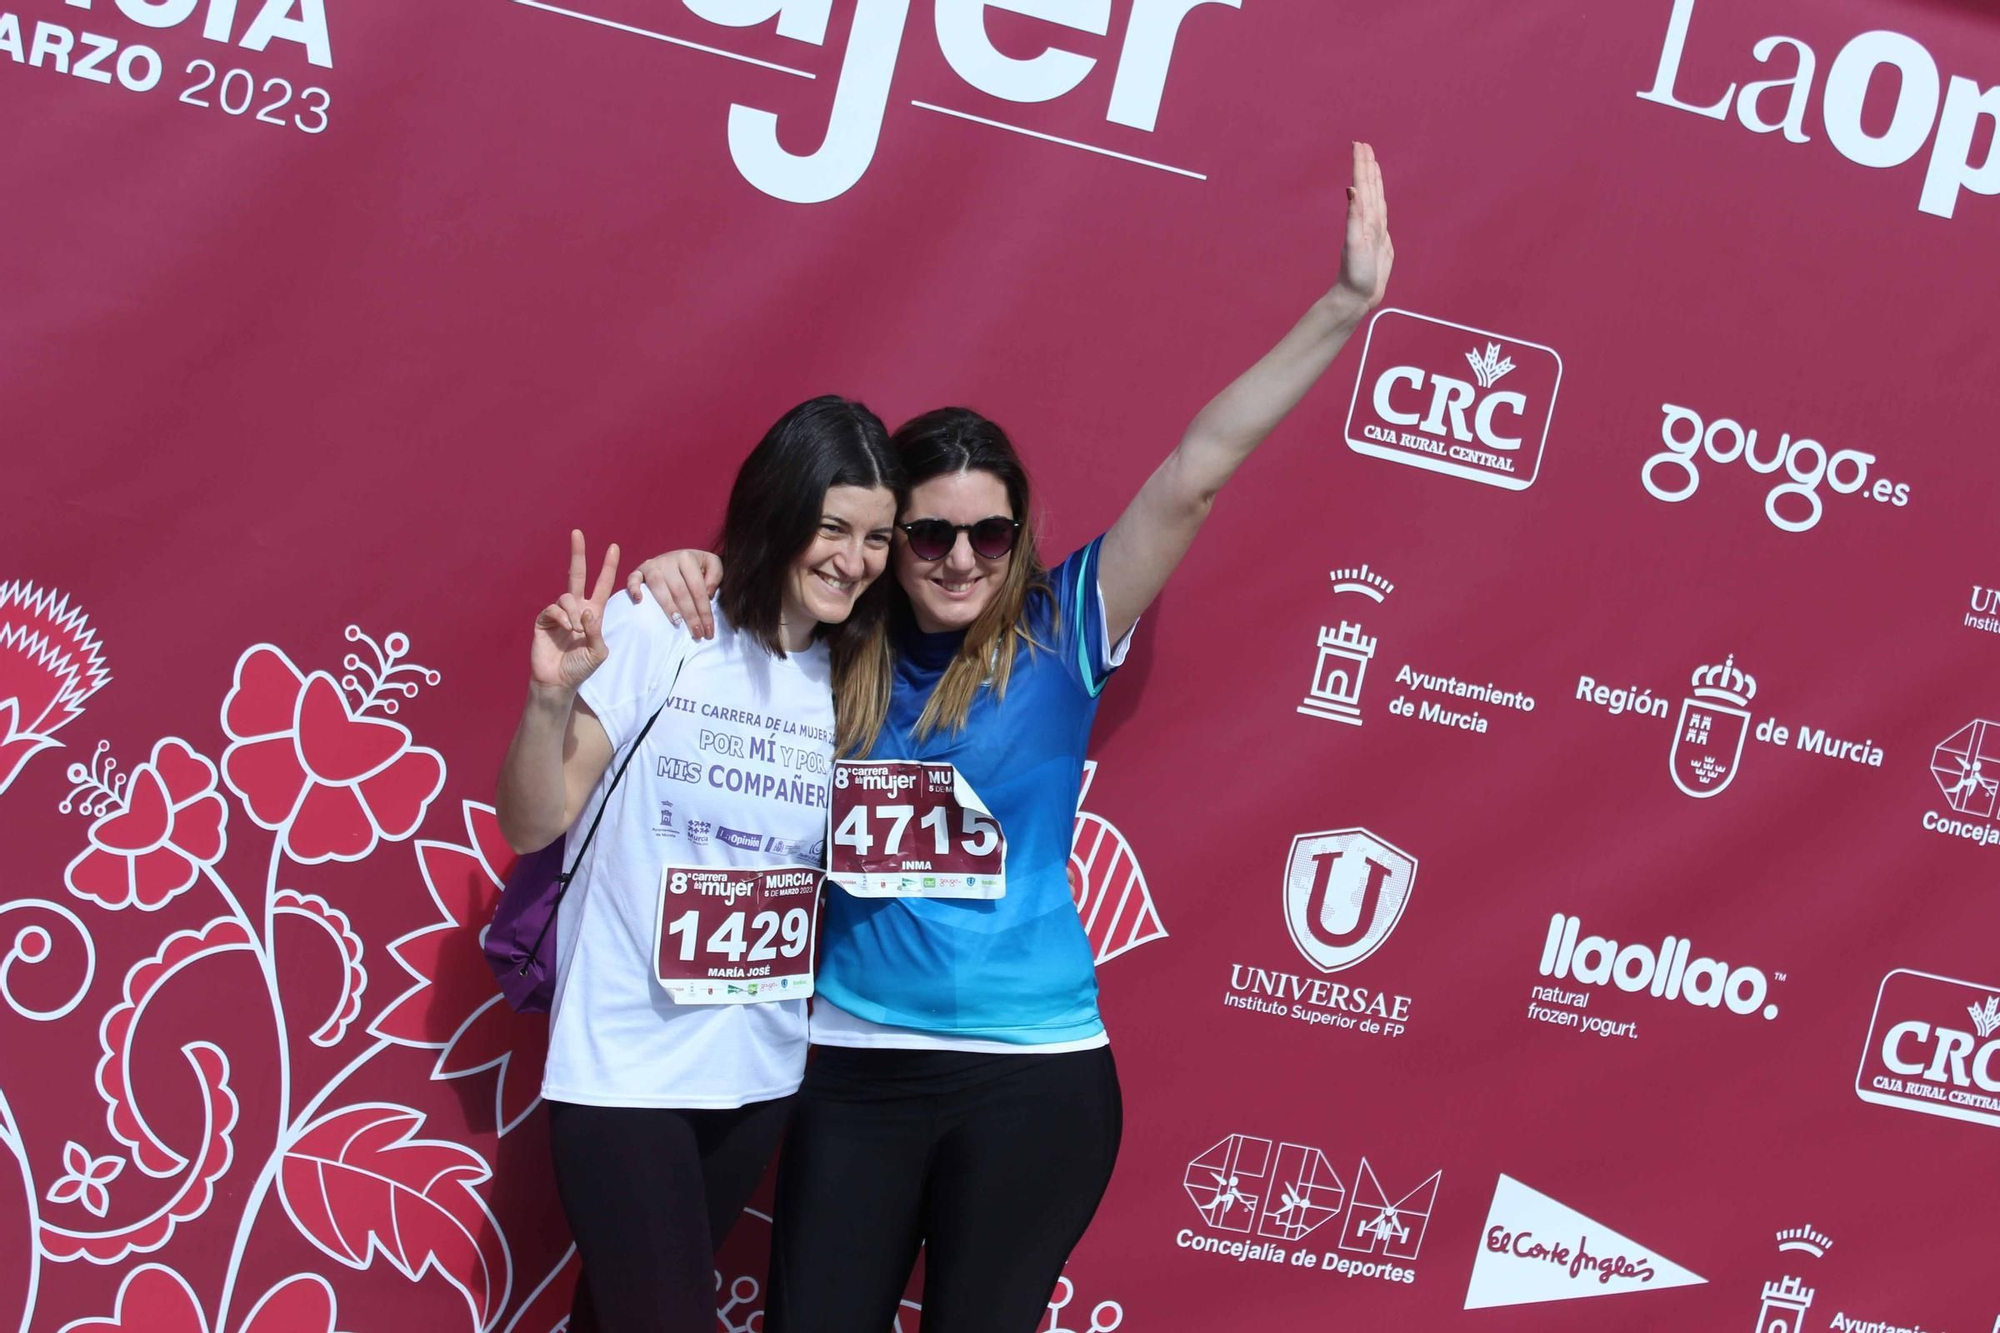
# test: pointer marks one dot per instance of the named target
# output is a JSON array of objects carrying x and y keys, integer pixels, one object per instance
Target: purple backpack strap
[{"x": 520, "y": 944}]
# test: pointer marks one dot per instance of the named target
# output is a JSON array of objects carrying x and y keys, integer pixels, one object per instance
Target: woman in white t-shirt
[{"x": 662, "y": 1116}]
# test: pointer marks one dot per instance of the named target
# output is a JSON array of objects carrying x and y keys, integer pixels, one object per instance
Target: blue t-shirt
[{"x": 1016, "y": 968}]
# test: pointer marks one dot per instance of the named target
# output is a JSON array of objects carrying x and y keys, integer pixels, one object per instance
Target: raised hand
[
  {"x": 681, "y": 582},
  {"x": 1367, "y": 254},
  {"x": 569, "y": 638}
]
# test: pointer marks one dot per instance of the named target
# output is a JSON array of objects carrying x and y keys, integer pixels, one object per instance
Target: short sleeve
[
  {"x": 644, "y": 645},
  {"x": 1088, "y": 652}
]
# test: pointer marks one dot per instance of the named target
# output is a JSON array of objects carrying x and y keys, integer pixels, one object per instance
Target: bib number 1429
[
  {"x": 907, "y": 829},
  {"x": 728, "y": 936}
]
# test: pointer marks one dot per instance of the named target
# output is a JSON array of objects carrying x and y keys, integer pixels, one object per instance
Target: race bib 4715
[
  {"x": 898, "y": 828},
  {"x": 727, "y": 936}
]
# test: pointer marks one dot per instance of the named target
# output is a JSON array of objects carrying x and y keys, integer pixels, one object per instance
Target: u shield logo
[{"x": 1345, "y": 890}]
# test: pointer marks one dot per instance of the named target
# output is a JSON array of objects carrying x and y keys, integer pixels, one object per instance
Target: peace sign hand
[{"x": 569, "y": 640}]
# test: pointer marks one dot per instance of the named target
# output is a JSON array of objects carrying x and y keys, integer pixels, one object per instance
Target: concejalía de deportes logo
[{"x": 1256, "y": 1200}]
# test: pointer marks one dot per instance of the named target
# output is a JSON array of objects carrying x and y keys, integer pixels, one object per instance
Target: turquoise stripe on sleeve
[{"x": 1090, "y": 680}]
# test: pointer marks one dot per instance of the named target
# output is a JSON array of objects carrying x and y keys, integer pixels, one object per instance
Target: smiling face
[
  {"x": 950, "y": 593},
  {"x": 848, "y": 551}
]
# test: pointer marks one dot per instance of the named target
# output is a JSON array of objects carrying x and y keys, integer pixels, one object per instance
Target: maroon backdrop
[{"x": 1576, "y": 911}]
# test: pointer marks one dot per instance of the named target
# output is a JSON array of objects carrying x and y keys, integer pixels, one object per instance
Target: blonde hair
[{"x": 946, "y": 441}]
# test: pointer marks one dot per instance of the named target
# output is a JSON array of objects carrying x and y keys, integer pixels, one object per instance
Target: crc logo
[
  {"x": 1240, "y": 1184},
  {"x": 1933, "y": 1047},
  {"x": 1672, "y": 474},
  {"x": 1453, "y": 399},
  {"x": 1345, "y": 890}
]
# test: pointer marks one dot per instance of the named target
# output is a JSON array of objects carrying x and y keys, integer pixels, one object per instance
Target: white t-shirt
[{"x": 734, "y": 773}]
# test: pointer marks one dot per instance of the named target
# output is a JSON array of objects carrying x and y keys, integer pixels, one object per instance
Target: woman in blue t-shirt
[{"x": 962, "y": 1098}]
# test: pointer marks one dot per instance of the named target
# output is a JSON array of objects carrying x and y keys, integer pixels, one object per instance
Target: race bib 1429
[{"x": 729, "y": 936}]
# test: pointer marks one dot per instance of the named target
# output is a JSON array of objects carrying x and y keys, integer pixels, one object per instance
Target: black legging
[
  {"x": 993, "y": 1163},
  {"x": 650, "y": 1194}
]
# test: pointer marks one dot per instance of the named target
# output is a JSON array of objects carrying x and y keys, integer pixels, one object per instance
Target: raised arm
[
  {"x": 560, "y": 749},
  {"x": 1147, "y": 542}
]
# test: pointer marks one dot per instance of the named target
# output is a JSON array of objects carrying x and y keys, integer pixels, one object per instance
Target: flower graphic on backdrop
[
  {"x": 323, "y": 769},
  {"x": 50, "y": 662},
  {"x": 156, "y": 1299},
  {"x": 155, "y": 829},
  {"x": 454, "y": 1008},
  {"x": 85, "y": 1179}
]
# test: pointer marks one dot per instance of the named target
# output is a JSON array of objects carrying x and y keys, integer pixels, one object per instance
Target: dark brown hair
[{"x": 775, "y": 509}]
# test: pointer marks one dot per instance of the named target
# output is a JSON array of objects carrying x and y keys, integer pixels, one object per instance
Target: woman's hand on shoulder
[
  {"x": 569, "y": 633},
  {"x": 682, "y": 582}
]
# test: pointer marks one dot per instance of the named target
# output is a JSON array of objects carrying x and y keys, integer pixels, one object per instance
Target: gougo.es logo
[{"x": 1794, "y": 504}]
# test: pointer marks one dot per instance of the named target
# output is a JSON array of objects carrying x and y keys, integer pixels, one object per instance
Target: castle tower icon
[
  {"x": 1784, "y": 1308},
  {"x": 1344, "y": 655}
]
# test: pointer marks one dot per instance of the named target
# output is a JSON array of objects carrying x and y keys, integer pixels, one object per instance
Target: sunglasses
[{"x": 933, "y": 538}]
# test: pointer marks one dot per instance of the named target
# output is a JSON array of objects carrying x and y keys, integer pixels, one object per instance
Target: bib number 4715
[
  {"x": 905, "y": 829},
  {"x": 980, "y": 835}
]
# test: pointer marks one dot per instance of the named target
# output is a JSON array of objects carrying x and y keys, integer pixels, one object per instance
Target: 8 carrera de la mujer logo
[{"x": 101, "y": 50}]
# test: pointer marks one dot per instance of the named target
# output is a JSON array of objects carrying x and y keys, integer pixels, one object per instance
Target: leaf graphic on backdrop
[
  {"x": 453, "y": 1006},
  {"x": 1107, "y": 885},
  {"x": 155, "y": 1299},
  {"x": 310, "y": 907},
  {"x": 358, "y": 1183}
]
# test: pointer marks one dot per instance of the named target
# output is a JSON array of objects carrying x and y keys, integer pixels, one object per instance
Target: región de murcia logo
[
  {"x": 1256, "y": 1202},
  {"x": 1714, "y": 723}
]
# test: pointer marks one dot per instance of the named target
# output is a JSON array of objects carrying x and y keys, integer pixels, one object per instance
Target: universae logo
[{"x": 1345, "y": 890}]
